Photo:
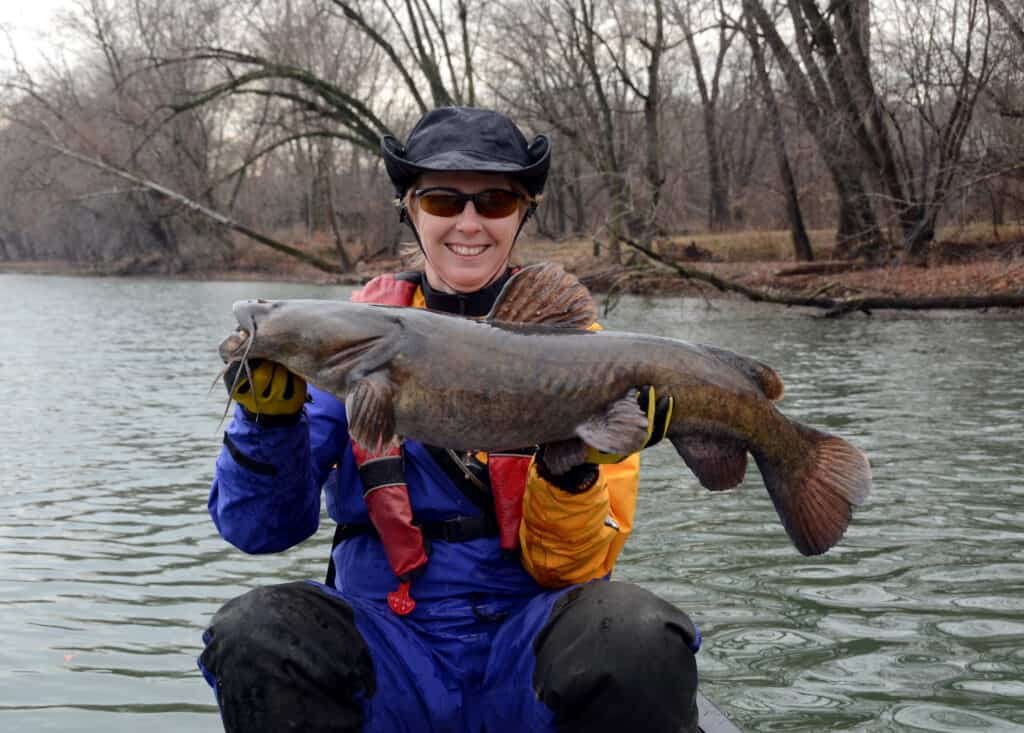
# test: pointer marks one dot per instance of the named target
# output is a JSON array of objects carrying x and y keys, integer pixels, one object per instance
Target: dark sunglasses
[{"x": 494, "y": 203}]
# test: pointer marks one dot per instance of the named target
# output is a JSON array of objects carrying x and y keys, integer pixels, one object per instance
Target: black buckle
[{"x": 455, "y": 529}]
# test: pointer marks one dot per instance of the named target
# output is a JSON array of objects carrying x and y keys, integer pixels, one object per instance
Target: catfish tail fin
[{"x": 815, "y": 504}]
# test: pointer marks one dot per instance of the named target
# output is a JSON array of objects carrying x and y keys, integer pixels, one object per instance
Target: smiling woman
[{"x": 467, "y": 590}]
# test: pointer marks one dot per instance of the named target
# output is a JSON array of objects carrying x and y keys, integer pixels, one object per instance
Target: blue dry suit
[
  {"x": 486, "y": 646},
  {"x": 266, "y": 498}
]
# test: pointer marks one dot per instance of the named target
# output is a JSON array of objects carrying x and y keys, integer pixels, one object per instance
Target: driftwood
[
  {"x": 837, "y": 307},
  {"x": 823, "y": 268}
]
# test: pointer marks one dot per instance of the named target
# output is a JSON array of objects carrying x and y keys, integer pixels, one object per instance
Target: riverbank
[{"x": 760, "y": 261}]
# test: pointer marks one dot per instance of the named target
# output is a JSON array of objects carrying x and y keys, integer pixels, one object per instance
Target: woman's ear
[{"x": 407, "y": 208}]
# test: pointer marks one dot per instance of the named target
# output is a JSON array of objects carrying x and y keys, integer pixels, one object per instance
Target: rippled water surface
[{"x": 109, "y": 565}]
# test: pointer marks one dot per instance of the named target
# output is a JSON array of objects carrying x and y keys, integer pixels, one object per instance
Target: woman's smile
[{"x": 467, "y": 250}]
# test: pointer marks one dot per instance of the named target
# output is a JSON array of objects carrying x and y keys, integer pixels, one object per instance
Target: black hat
[{"x": 467, "y": 139}]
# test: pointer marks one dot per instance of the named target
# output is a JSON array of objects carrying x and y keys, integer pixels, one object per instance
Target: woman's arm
[
  {"x": 265, "y": 495},
  {"x": 572, "y": 538}
]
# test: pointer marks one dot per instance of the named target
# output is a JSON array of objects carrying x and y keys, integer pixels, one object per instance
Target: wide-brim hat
[{"x": 467, "y": 139}]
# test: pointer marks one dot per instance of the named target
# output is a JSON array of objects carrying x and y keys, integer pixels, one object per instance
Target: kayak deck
[{"x": 713, "y": 720}]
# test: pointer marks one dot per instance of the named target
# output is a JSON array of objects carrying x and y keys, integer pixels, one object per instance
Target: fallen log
[
  {"x": 823, "y": 268},
  {"x": 838, "y": 307}
]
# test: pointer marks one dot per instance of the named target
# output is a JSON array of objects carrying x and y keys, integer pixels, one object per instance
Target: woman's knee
[
  {"x": 288, "y": 652},
  {"x": 612, "y": 655}
]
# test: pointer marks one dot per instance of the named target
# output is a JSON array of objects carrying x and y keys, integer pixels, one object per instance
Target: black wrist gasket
[{"x": 576, "y": 480}]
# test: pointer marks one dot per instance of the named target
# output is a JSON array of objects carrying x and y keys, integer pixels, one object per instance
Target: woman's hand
[
  {"x": 273, "y": 391},
  {"x": 659, "y": 416}
]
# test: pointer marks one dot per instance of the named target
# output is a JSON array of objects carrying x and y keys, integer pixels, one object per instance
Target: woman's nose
[{"x": 469, "y": 220}]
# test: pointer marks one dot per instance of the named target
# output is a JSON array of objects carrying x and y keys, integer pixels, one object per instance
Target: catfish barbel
[{"x": 532, "y": 374}]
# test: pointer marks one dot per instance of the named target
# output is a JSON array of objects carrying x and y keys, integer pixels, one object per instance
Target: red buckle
[{"x": 400, "y": 601}]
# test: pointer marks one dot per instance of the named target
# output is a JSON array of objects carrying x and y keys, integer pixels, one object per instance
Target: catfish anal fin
[
  {"x": 545, "y": 294},
  {"x": 371, "y": 411},
  {"x": 718, "y": 463}
]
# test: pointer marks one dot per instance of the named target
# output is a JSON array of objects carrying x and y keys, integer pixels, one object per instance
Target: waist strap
[{"x": 456, "y": 529}]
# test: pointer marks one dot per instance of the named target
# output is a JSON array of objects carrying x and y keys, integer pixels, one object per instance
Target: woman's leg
[
  {"x": 288, "y": 657},
  {"x": 302, "y": 657},
  {"x": 605, "y": 656}
]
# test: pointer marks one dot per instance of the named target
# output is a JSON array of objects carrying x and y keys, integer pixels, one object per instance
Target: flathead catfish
[{"x": 532, "y": 374}]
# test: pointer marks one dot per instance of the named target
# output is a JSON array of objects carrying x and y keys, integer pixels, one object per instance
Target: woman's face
[{"x": 465, "y": 252}]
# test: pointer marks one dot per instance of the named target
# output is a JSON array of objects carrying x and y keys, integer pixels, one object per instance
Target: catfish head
[{"x": 319, "y": 340}]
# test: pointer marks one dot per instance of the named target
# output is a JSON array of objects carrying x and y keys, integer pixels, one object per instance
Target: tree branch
[{"x": 188, "y": 203}]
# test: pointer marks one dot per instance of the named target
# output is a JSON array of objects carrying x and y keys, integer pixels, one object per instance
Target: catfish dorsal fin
[
  {"x": 766, "y": 378},
  {"x": 544, "y": 294}
]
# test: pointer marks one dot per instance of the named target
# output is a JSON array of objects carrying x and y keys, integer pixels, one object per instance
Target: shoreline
[{"x": 992, "y": 275}]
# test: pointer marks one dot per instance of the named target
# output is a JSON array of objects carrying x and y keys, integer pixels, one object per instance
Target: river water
[{"x": 110, "y": 567}]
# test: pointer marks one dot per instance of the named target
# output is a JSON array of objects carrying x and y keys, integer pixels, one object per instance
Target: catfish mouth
[
  {"x": 247, "y": 313},
  {"x": 235, "y": 346}
]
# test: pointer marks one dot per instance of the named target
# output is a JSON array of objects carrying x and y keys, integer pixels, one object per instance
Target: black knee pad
[
  {"x": 288, "y": 657},
  {"x": 616, "y": 657}
]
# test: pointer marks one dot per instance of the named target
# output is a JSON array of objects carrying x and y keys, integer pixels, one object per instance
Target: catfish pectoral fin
[
  {"x": 621, "y": 429},
  {"x": 815, "y": 505},
  {"x": 718, "y": 463},
  {"x": 371, "y": 411}
]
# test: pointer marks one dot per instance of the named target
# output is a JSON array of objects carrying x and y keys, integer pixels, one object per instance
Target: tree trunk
[
  {"x": 719, "y": 211},
  {"x": 718, "y": 200},
  {"x": 857, "y": 233},
  {"x": 561, "y": 212},
  {"x": 652, "y": 103},
  {"x": 801, "y": 242},
  {"x": 919, "y": 230},
  {"x": 619, "y": 208}
]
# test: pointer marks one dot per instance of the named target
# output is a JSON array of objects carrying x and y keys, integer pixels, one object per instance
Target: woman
[{"x": 465, "y": 592}]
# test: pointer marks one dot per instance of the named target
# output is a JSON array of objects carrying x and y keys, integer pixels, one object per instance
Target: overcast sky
[{"x": 26, "y": 22}]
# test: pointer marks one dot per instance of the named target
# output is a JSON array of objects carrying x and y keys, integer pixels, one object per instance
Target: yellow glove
[
  {"x": 659, "y": 415},
  {"x": 277, "y": 390}
]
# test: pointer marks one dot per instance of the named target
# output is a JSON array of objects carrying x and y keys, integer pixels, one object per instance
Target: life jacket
[{"x": 388, "y": 503}]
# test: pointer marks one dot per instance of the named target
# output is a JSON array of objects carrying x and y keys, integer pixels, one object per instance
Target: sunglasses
[{"x": 494, "y": 203}]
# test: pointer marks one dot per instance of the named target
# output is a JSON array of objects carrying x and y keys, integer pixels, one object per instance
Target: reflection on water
[{"x": 109, "y": 566}]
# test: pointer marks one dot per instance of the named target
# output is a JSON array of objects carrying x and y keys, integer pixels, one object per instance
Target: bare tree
[
  {"x": 861, "y": 134},
  {"x": 1014, "y": 22},
  {"x": 826, "y": 114},
  {"x": 801, "y": 241},
  {"x": 587, "y": 70},
  {"x": 98, "y": 102},
  {"x": 709, "y": 90}
]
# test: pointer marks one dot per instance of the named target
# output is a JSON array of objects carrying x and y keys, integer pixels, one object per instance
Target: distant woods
[{"x": 880, "y": 120}]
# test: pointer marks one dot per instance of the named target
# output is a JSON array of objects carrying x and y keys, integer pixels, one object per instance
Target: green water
[{"x": 109, "y": 565}]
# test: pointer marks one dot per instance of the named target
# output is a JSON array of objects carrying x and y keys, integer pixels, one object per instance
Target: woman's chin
[{"x": 469, "y": 274}]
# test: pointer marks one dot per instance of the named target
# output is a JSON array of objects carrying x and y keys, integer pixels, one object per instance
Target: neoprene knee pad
[
  {"x": 288, "y": 657},
  {"x": 615, "y": 657}
]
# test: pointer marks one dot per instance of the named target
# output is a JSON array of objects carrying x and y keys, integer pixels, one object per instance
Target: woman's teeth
[{"x": 465, "y": 250}]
